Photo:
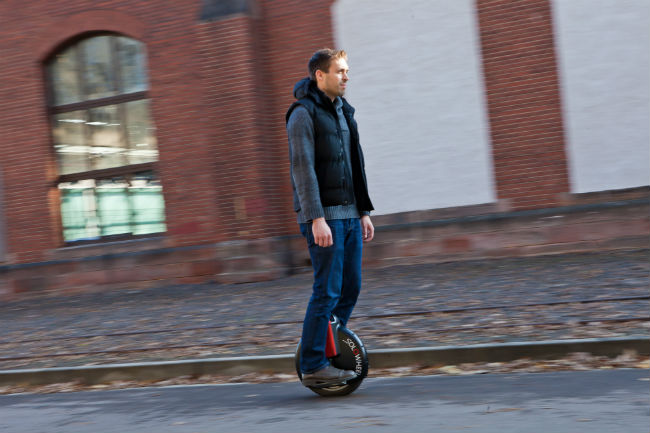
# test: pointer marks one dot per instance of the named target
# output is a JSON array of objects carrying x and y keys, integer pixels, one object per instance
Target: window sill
[{"x": 100, "y": 247}]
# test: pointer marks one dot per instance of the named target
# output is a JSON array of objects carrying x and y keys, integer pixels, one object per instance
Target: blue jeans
[{"x": 337, "y": 283}]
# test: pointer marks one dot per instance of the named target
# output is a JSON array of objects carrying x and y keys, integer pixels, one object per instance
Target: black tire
[{"x": 353, "y": 357}]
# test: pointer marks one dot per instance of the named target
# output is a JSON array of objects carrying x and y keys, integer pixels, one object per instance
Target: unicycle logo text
[{"x": 357, "y": 355}]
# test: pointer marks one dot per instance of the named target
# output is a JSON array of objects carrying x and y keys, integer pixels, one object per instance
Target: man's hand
[
  {"x": 367, "y": 229},
  {"x": 322, "y": 233}
]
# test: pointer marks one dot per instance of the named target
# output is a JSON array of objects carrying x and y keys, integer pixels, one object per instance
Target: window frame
[{"x": 127, "y": 171}]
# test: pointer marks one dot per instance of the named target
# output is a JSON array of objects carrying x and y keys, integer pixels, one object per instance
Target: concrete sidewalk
[{"x": 422, "y": 357}]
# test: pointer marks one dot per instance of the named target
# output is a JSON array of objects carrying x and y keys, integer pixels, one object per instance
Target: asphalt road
[{"x": 607, "y": 401}]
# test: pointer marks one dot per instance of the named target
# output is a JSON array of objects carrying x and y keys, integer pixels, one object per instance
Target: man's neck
[{"x": 332, "y": 98}]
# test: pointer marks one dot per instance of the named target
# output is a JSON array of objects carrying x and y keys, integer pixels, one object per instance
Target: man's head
[{"x": 329, "y": 69}]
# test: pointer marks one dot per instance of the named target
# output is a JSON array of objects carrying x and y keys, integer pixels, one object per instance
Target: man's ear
[{"x": 319, "y": 74}]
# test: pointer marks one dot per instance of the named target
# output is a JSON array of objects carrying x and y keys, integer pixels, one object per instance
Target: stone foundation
[{"x": 473, "y": 232}]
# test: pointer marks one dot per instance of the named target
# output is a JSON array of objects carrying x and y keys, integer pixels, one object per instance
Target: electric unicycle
[{"x": 345, "y": 351}]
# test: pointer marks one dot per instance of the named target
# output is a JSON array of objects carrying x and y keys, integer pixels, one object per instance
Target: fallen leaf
[{"x": 450, "y": 369}]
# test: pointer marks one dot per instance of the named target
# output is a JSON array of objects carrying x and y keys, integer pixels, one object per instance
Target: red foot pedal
[{"x": 330, "y": 345}]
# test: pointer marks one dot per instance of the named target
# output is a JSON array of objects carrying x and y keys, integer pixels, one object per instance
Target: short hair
[{"x": 322, "y": 59}]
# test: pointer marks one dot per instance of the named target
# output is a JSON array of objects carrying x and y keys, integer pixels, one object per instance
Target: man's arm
[{"x": 300, "y": 130}]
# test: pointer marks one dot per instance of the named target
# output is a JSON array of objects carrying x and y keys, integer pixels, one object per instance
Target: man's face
[{"x": 334, "y": 81}]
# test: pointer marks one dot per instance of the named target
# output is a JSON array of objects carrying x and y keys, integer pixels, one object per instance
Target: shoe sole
[{"x": 319, "y": 383}]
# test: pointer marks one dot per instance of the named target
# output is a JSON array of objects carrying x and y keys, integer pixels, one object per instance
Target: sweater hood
[{"x": 303, "y": 88}]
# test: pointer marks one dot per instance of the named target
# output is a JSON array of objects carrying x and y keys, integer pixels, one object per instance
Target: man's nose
[{"x": 345, "y": 76}]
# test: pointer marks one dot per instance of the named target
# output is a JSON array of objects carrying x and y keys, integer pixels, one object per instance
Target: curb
[{"x": 273, "y": 364}]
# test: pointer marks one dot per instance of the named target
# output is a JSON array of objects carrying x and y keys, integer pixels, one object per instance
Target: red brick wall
[
  {"x": 270, "y": 50},
  {"x": 228, "y": 120},
  {"x": 292, "y": 31},
  {"x": 523, "y": 96},
  {"x": 219, "y": 91},
  {"x": 31, "y": 33}
]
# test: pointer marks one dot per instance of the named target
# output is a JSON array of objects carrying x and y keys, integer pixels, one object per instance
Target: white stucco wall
[
  {"x": 416, "y": 82},
  {"x": 603, "y": 48}
]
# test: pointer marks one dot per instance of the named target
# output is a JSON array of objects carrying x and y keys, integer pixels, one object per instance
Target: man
[{"x": 332, "y": 203}]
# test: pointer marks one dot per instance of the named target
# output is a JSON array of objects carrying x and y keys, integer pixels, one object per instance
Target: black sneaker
[{"x": 327, "y": 376}]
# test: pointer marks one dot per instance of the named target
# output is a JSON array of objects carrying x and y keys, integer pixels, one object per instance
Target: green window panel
[{"x": 92, "y": 210}]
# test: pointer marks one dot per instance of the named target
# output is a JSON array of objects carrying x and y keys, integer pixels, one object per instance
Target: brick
[
  {"x": 207, "y": 267},
  {"x": 523, "y": 97},
  {"x": 456, "y": 245}
]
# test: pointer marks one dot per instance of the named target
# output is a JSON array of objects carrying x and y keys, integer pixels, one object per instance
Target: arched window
[{"x": 104, "y": 140}]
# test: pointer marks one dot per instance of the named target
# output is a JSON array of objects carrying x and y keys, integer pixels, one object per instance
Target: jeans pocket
[{"x": 305, "y": 229}]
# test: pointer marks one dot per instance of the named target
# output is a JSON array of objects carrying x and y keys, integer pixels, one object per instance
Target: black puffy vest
[{"x": 337, "y": 186}]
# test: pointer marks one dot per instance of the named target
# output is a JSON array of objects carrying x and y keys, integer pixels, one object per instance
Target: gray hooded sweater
[{"x": 300, "y": 130}]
